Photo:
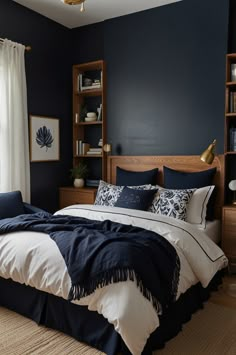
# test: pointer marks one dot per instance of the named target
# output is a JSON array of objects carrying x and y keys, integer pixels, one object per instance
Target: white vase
[{"x": 78, "y": 182}]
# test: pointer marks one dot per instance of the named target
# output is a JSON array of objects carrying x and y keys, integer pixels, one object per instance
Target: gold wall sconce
[
  {"x": 107, "y": 148},
  {"x": 209, "y": 154}
]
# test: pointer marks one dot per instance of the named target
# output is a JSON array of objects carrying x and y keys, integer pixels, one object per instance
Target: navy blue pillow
[
  {"x": 174, "y": 179},
  {"x": 11, "y": 204},
  {"x": 135, "y": 178},
  {"x": 135, "y": 199}
]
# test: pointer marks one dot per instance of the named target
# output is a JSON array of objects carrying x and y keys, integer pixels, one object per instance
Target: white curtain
[{"x": 14, "y": 141}]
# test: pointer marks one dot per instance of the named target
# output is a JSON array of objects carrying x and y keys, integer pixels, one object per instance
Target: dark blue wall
[
  {"x": 165, "y": 71},
  {"x": 232, "y": 27},
  {"x": 166, "y": 75},
  {"x": 87, "y": 43},
  {"x": 49, "y": 82}
]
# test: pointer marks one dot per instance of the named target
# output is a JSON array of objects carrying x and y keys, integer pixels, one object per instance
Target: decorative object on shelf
[
  {"x": 44, "y": 138},
  {"x": 107, "y": 148},
  {"x": 79, "y": 173},
  {"x": 88, "y": 81},
  {"x": 99, "y": 110},
  {"x": 233, "y": 72},
  {"x": 209, "y": 154},
  {"x": 85, "y": 83},
  {"x": 75, "y": 2},
  {"x": 91, "y": 117},
  {"x": 100, "y": 144},
  {"x": 232, "y": 187}
]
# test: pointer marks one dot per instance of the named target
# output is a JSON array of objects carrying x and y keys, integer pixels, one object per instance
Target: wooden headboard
[{"x": 187, "y": 163}]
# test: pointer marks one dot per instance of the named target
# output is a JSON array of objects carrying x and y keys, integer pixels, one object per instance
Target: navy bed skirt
[{"x": 90, "y": 327}]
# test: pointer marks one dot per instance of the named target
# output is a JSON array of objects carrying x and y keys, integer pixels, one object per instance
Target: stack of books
[
  {"x": 232, "y": 137},
  {"x": 92, "y": 182},
  {"x": 81, "y": 148},
  {"x": 94, "y": 151},
  {"x": 232, "y": 101}
]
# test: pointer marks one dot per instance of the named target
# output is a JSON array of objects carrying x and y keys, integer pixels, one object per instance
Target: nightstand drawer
[
  {"x": 229, "y": 232},
  {"x": 71, "y": 196},
  {"x": 230, "y": 217},
  {"x": 230, "y": 229}
]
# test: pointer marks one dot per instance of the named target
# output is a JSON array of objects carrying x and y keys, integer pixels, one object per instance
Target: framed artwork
[{"x": 44, "y": 139}]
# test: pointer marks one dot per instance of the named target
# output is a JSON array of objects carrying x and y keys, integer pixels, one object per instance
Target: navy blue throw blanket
[{"x": 99, "y": 253}]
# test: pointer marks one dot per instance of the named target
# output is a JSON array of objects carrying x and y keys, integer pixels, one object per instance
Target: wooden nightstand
[
  {"x": 229, "y": 234},
  {"x": 72, "y": 195}
]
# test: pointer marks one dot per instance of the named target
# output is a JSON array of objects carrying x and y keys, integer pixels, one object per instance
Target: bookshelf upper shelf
[
  {"x": 231, "y": 83},
  {"x": 90, "y": 123},
  {"x": 90, "y": 92}
]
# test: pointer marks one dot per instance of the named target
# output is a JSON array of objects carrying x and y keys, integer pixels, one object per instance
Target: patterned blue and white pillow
[
  {"x": 108, "y": 194},
  {"x": 172, "y": 203}
]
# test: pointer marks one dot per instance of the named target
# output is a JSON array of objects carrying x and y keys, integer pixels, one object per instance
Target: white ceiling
[{"x": 95, "y": 10}]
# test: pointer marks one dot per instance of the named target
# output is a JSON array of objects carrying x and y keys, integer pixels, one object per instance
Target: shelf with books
[
  {"x": 89, "y": 79},
  {"x": 230, "y": 123},
  {"x": 89, "y": 117}
]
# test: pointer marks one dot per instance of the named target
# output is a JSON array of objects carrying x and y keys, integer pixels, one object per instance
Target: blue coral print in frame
[{"x": 44, "y": 138}]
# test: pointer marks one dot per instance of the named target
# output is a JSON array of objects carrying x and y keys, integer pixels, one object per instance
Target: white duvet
[{"x": 33, "y": 259}]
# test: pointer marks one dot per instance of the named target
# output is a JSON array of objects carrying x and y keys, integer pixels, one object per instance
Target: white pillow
[{"x": 197, "y": 207}]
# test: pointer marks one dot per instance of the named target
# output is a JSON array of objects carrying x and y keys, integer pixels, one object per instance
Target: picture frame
[{"x": 44, "y": 139}]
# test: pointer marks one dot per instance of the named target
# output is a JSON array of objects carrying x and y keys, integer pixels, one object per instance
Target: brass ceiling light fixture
[{"x": 75, "y": 2}]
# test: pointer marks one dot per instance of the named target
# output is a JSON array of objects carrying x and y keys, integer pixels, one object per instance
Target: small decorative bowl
[
  {"x": 90, "y": 119},
  {"x": 92, "y": 114}
]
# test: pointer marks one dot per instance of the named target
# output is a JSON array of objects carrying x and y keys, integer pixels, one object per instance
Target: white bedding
[
  {"x": 213, "y": 230},
  {"x": 34, "y": 259}
]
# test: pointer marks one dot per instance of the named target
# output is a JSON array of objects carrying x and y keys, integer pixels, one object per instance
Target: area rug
[{"x": 211, "y": 331}]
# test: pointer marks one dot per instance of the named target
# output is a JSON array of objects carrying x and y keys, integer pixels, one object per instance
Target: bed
[{"x": 107, "y": 317}]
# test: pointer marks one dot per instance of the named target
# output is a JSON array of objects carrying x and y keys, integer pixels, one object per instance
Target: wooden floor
[{"x": 226, "y": 295}]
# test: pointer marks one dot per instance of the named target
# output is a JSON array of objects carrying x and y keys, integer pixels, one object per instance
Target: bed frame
[
  {"x": 91, "y": 327},
  {"x": 186, "y": 163}
]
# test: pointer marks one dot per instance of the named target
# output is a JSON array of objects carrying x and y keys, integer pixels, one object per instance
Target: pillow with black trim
[
  {"x": 11, "y": 204},
  {"x": 196, "y": 208},
  {"x": 135, "y": 178},
  {"x": 108, "y": 194},
  {"x": 172, "y": 203},
  {"x": 174, "y": 179},
  {"x": 135, "y": 199}
]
